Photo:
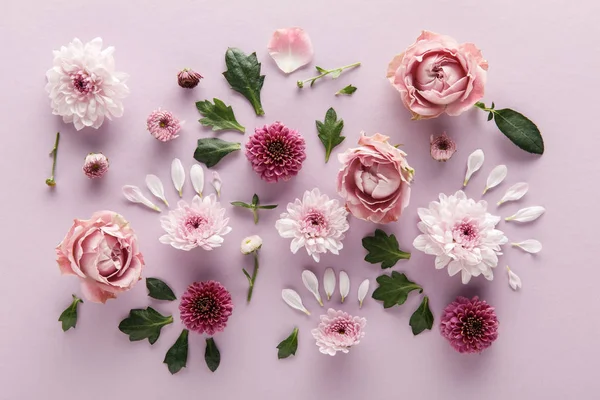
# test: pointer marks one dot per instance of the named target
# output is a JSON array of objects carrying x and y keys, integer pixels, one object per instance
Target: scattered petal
[
  {"x": 515, "y": 192},
  {"x": 312, "y": 284},
  {"x": 474, "y": 162},
  {"x": 217, "y": 182},
  {"x": 527, "y": 214},
  {"x": 344, "y": 285},
  {"x": 292, "y": 298},
  {"x": 178, "y": 175},
  {"x": 156, "y": 187},
  {"x": 329, "y": 282},
  {"x": 531, "y": 246},
  {"x": 363, "y": 289},
  {"x": 197, "y": 178},
  {"x": 291, "y": 49},
  {"x": 134, "y": 194},
  {"x": 496, "y": 177},
  {"x": 513, "y": 280}
]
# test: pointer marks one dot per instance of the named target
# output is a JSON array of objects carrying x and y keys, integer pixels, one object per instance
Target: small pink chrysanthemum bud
[
  {"x": 442, "y": 147},
  {"x": 188, "y": 79},
  {"x": 95, "y": 165},
  {"x": 163, "y": 125}
]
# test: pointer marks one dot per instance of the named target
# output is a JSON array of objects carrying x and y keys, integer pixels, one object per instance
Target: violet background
[{"x": 543, "y": 61}]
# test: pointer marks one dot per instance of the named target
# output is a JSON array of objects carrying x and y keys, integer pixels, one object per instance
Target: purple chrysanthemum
[
  {"x": 188, "y": 78},
  {"x": 205, "y": 307},
  {"x": 95, "y": 165},
  {"x": 276, "y": 152},
  {"x": 163, "y": 125},
  {"x": 469, "y": 325}
]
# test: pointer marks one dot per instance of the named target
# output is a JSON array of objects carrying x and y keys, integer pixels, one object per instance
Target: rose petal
[{"x": 290, "y": 48}]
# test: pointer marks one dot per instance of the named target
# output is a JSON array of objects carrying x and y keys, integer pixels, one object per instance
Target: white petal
[
  {"x": 530, "y": 246},
  {"x": 515, "y": 192},
  {"x": 527, "y": 214},
  {"x": 156, "y": 187},
  {"x": 344, "y": 285},
  {"x": 290, "y": 48},
  {"x": 329, "y": 282},
  {"x": 197, "y": 178},
  {"x": 496, "y": 177},
  {"x": 312, "y": 284},
  {"x": 134, "y": 194},
  {"x": 363, "y": 289},
  {"x": 513, "y": 280},
  {"x": 178, "y": 175},
  {"x": 217, "y": 182},
  {"x": 474, "y": 162},
  {"x": 292, "y": 298}
]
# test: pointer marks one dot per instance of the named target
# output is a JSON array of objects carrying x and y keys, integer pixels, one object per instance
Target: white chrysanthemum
[
  {"x": 316, "y": 223},
  {"x": 84, "y": 86},
  {"x": 462, "y": 235},
  {"x": 200, "y": 224},
  {"x": 251, "y": 244}
]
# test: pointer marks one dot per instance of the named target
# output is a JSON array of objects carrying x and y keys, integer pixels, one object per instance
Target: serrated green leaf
[
  {"x": 218, "y": 115},
  {"x": 383, "y": 249},
  {"x": 348, "y": 90},
  {"x": 176, "y": 357},
  {"x": 211, "y": 150},
  {"x": 144, "y": 324},
  {"x": 159, "y": 290},
  {"x": 330, "y": 132},
  {"x": 422, "y": 318},
  {"x": 69, "y": 316},
  {"x": 212, "y": 356},
  {"x": 520, "y": 130},
  {"x": 243, "y": 75},
  {"x": 393, "y": 290},
  {"x": 288, "y": 346}
]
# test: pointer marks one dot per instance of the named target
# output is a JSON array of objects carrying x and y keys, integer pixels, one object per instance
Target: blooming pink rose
[
  {"x": 103, "y": 252},
  {"x": 375, "y": 179},
  {"x": 437, "y": 75}
]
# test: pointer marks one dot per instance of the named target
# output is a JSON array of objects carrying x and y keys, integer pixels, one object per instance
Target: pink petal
[{"x": 291, "y": 49}]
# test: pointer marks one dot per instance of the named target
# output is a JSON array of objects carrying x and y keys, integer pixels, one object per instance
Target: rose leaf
[{"x": 69, "y": 316}]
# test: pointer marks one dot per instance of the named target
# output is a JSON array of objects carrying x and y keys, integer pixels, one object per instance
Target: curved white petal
[
  {"x": 134, "y": 194},
  {"x": 515, "y": 192},
  {"x": 290, "y": 48},
  {"x": 197, "y": 178},
  {"x": 178, "y": 175},
  {"x": 363, "y": 289},
  {"x": 344, "y": 285},
  {"x": 474, "y": 163},
  {"x": 217, "y": 182},
  {"x": 293, "y": 299},
  {"x": 531, "y": 246},
  {"x": 527, "y": 214},
  {"x": 513, "y": 279},
  {"x": 495, "y": 177},
  {"x": 156, "y": 187},
  {"x": 329, "y": 282},
  {"x": 312, "y": 284}
]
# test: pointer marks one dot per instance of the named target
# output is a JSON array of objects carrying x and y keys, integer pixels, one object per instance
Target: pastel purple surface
[{"x": 543, "y": 62}]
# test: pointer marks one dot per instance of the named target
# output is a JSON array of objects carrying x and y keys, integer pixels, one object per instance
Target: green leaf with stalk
[
  {"x": 335, "y": 73},
  {"x": 254, "y": 206}
]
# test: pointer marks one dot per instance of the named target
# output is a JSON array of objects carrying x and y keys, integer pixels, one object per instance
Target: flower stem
[
  {"x": 50, "y": 181},
  {"x": 325, "y": 72},
  {"x": 255, "y": 213},
  {"x": 482, "y": 106},
  {"x": 254, "y": 273}
]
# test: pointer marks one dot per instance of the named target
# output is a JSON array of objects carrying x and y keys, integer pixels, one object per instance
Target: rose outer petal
[{"x": 290, "y": 48}]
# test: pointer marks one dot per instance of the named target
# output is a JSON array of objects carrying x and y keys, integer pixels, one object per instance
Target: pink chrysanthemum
[
  {"x": 338, "y": 331},
  {"x": 316, "y": 223},
  {"x": 276, "y": 152},
  {"x": 200, "y": 224},
  {"x": 95, "y": 165},
  {"x": 205, "y": 307},
  {"x": 469, "y": 325},
  {"x": 187, "y": 78},
  {"x": 163, "y": 125},
  {"x": 442, "y": 147}
]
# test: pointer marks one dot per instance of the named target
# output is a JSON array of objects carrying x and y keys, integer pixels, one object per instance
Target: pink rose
[
  {"x": 375, "y": 180},
  {"x": 103, "y": 252},
  {"x": 437, "y": 75}
]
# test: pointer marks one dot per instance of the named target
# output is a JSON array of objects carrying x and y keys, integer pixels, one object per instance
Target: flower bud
[
  {"x": 95, "y": 165},
  {"x": 442, "y": 147},
  {"x": 251, "y": 244},
  {"x": 188, "y": 78}
]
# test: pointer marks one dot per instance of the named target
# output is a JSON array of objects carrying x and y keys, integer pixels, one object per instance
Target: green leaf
[
  {"x": 159, "y": 290},
  {"x": 211, "y": 150},
  {"x": 212, "y": 356},
  {"x": 267, "y": 207},
  {"x": 330, "y": 132},
  {"x": 243, "y": 75},
  {"x": 255, "y": 199},
  {"x": 394, "y": 289},
  {"x": 288, "y": 346},
  {"x": 490, "y": 116},
  {"x": 383, "y": 249},
  {"x": 520, "y": 130},
  {"x": 241, "y": 204},
  {"x": 321, "y": 70},
  {"x": 335, "y": 73},
  {"x": 69, "y": 316},
  {"x": 176, "y": 357},
  {"x": 144, "y": 324},
  {"x": 218, "y": 115},
  {"x": 347, "y": 90},
  {"x": 422, "y": 318}
]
